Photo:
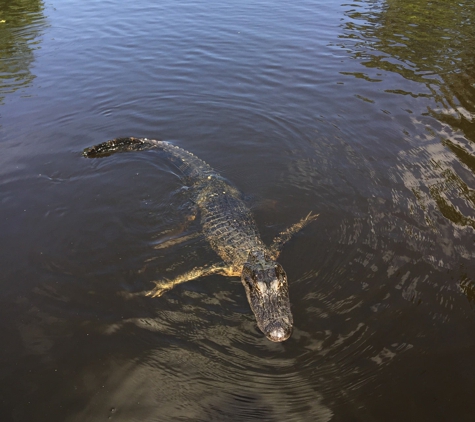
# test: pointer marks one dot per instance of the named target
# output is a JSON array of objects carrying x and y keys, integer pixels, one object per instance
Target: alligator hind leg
[
  {"x": 282, "y": 238},
  {"x": 175, "y": 236},
  {"x": 176, "y": 240},
  {"x": 163, "y": 286}
]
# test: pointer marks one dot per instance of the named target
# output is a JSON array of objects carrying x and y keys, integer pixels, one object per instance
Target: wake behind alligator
[{"x": 230, "y": 229}]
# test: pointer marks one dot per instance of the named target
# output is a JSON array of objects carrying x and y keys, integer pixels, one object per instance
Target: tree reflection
[
  {"x": 21, "y": 22},
  {"x": 431, "y": 43}
]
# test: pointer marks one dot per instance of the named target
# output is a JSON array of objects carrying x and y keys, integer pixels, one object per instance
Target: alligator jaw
[{"x": 267, "y": 291}]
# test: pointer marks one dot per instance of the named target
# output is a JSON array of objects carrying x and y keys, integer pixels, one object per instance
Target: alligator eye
[
  {"x": 279, "y": 272},
  {"x": 249, "y": 282}
]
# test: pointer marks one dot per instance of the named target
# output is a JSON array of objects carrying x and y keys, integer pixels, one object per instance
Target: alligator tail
[
  {"x": 119, "y": 145},
  {"x": 189, "y": 164}
]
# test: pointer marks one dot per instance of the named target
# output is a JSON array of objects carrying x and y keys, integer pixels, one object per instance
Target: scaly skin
[{"x": 231, "y": 231}]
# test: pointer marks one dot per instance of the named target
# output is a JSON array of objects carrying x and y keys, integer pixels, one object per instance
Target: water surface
[{"x": 362, "y": 112}]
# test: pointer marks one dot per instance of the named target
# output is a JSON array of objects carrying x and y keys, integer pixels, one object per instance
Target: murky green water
[{"x": 362, "y": 112}]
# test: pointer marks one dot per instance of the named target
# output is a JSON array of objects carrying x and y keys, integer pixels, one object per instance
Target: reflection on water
[
  {"x": 255, "y": 390},
  {"x": 430, "y": 43},
  {"x": 360, "y": 112},
  {"x": 22, "y": 24}
]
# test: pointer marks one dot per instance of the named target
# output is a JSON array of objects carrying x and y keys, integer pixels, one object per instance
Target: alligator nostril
[{"x": 278, "y": 334}]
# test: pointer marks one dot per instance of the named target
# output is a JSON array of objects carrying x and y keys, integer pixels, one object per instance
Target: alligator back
[{"x": 227, "y": 222}]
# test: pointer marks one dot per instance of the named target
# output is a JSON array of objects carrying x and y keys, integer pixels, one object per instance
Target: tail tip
[{"x": 117, "y": 144}]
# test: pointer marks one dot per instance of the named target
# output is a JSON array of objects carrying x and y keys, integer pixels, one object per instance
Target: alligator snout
[
  {"x": 278, "y": 332},
  {"x": 267, "y": 291}
]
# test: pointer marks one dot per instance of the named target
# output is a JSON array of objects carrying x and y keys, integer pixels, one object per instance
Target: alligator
[{"x": 230, "y": 229}]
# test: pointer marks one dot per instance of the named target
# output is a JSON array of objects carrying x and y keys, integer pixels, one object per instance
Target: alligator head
[{"x": 267, "y": 291}]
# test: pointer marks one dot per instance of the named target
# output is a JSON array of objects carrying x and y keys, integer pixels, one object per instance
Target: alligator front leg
[
  {"x": 282, "y": 238},
  {"x": 163, "y": 286}
]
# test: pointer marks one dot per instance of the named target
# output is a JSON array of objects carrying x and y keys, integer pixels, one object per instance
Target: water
[{"x": 362, "y": 112}]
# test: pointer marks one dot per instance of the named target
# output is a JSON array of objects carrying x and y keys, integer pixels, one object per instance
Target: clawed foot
[
  {"x": 310, "y": 217},
  {"x": 160, "y": 288}
]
